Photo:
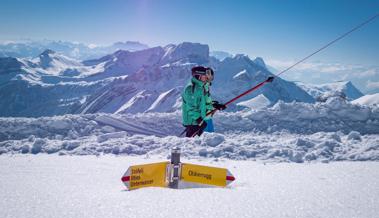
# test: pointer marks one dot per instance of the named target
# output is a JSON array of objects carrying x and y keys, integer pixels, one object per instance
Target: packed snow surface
[{"x": 39, "y": 186}]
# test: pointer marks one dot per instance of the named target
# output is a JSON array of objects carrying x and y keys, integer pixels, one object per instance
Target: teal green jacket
[{"x": 196, "y": 102}]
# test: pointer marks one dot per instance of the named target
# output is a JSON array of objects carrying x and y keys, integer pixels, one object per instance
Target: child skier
[{"x": 197, "y": 101}]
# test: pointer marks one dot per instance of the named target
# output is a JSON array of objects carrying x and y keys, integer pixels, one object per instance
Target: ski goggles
[{"x": 208, "y": 73}]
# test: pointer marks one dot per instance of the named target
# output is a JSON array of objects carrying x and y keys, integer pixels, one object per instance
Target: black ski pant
[{"x": 192, "y": 130}]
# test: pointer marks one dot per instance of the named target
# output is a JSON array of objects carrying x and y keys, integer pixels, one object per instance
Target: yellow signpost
[
  {"x": 175, "y": 174},
  {"x": 146, "y": 175}
]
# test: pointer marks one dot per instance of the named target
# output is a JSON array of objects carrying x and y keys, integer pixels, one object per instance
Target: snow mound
[
  {"x": 354, "y": 135},
  {"x": 274, "y": 147},
  {"x": 331, "y": 116},
  {"x": 213, "y": 139}
]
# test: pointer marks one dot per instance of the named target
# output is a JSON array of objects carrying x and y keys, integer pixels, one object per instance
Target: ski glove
[
  {"x": 218, "y": 106},
  {"x": 270, "y": 79},
  {"x": 202, "y": 125}
]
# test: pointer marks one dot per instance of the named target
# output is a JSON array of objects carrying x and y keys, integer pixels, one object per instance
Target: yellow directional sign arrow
[
  {"x": 205, "y": 175},
  {"x": 146, "y": 175}
]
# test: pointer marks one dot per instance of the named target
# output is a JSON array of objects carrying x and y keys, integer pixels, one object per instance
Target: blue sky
[{"x": 280, "y": 30}]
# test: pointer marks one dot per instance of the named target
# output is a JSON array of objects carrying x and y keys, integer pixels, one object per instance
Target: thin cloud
[
  {"x": 372, "y": 85},
  {"x": 364, "y": 77}
]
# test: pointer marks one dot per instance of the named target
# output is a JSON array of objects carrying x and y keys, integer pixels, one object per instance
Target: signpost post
[
  {"x": 175, "y": 163},
  {"x": 175, "y": 175}
]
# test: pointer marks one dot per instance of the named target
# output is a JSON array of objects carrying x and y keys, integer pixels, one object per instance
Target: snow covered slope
[
  {"x": 368, "y": 100},
  {"x": 166, "y": 100},
  {"x": 48, "y": 85}
]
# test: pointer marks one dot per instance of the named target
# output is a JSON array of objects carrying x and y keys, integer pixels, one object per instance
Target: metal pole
[{"x": 175, "y": 162}]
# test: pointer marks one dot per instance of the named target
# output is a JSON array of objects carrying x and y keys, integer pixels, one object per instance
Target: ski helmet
[{"x": 202, "y": 71}]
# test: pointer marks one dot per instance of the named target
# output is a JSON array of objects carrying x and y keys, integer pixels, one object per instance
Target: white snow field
[{"x": 45, "y": 186}]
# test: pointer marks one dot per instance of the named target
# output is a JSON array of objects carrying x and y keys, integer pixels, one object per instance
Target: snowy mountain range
[
  {"x": 149, "y": 80},
  {"x": 337, "y": 88},
  {"x": 81, "y": 51}
]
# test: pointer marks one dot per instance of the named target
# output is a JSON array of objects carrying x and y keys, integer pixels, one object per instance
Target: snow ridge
[{"x": 289, "y": 132}]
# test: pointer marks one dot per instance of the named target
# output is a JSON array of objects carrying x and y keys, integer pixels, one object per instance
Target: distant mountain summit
[
  {"x": 47, "y": 52},
  {"x": 129, "y": 45},
  {"x": 329, "y": 89},
  {"x": 220, "y": 55},
  {"x": 186, "y": 52},
  {"x": 55, "y": 62},
  {"x": 259, "y": 61}
]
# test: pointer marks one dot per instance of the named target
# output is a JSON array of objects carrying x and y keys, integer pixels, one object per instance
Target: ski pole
[
  {"x": 210, "y": 113},
  {"x": 269, "y": 79}
]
